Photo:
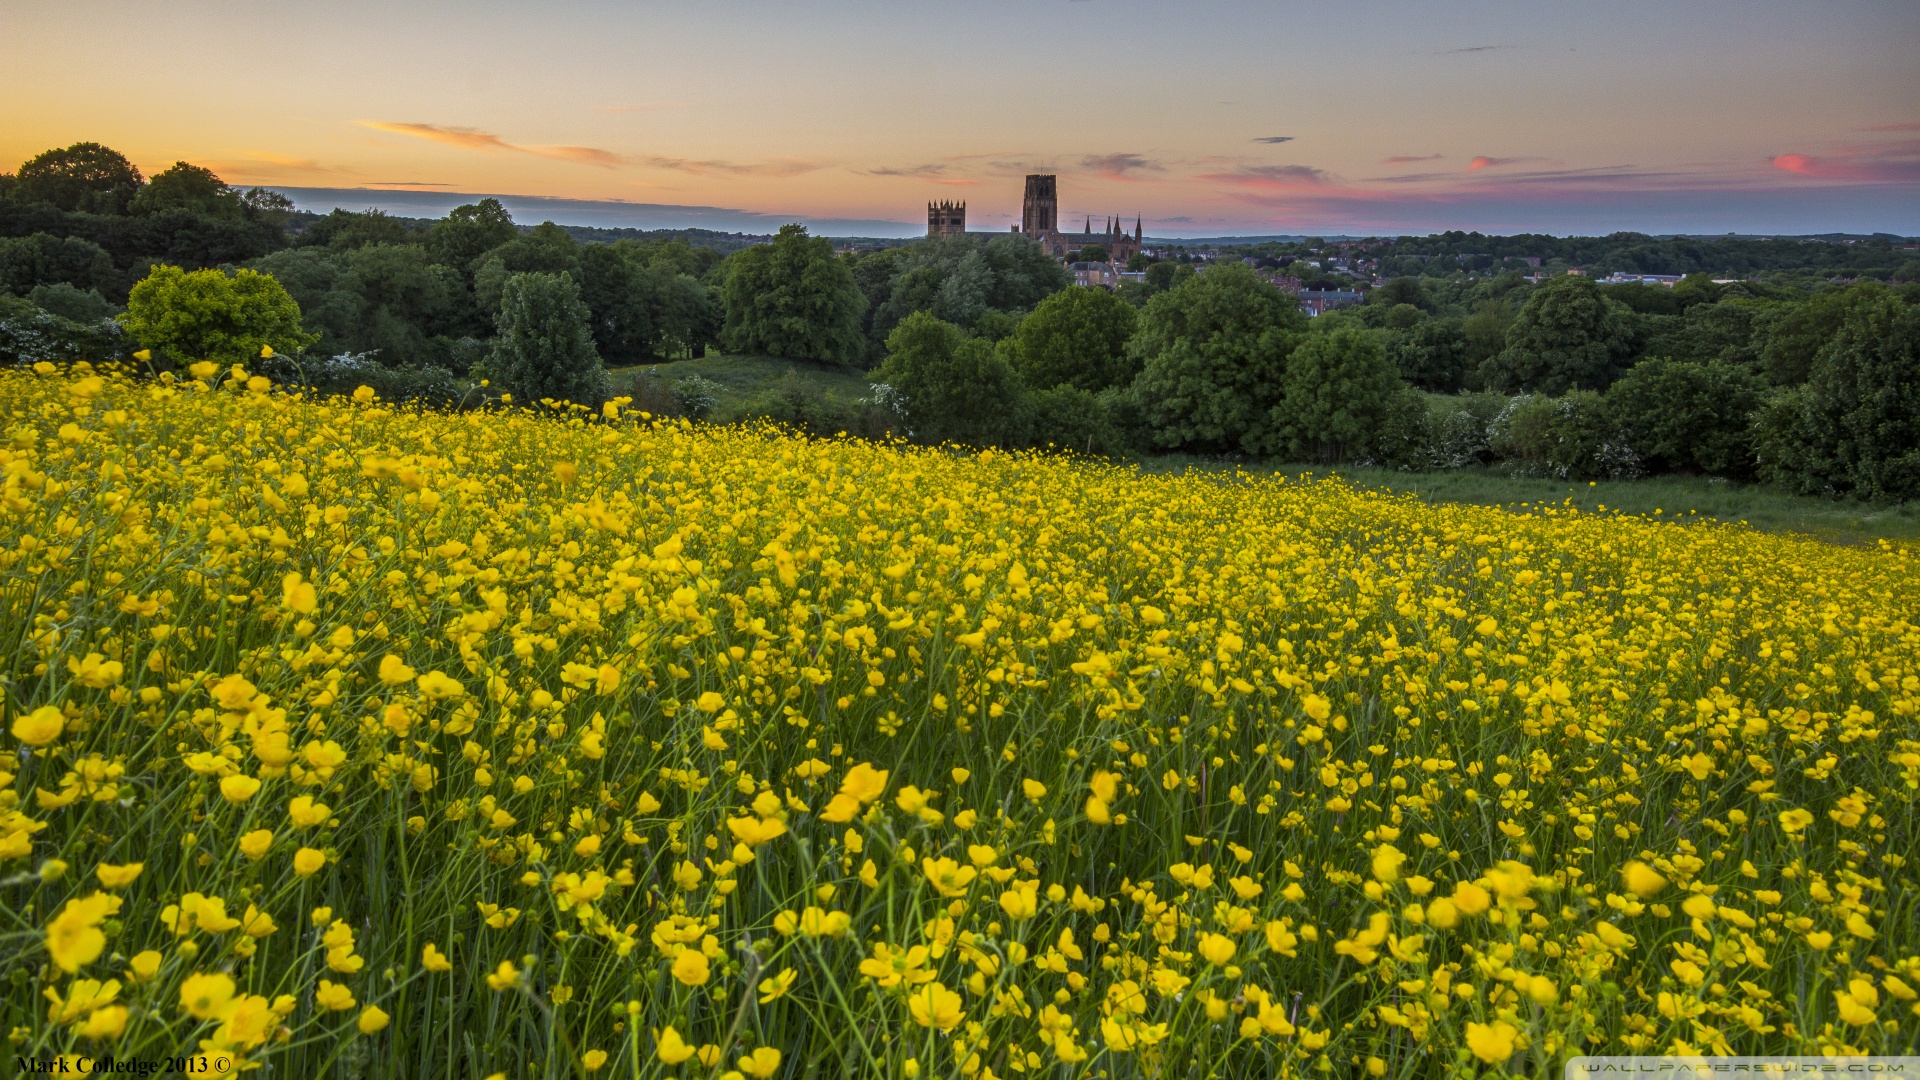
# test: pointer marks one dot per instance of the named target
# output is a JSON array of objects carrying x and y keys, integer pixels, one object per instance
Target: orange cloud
[{"x": 473, "y": 139}]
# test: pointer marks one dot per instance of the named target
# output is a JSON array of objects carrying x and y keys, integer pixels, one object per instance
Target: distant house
[
  {"x": 1320, "y": 301},
  {"x": 1618, "y": 278},
  {"x": 1103, "y": 275}
]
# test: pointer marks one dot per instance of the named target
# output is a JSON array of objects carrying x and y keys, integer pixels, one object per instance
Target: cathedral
[{"x": 1040, "y": 222}]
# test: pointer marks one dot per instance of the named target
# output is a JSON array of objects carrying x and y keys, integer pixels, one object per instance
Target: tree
[
  {"x": 1340, "y": 394},
  {"x": 643, "y": 306},
  {"x": 544, "y": 349},
  {"x": 190, "y": 188},
  {"x": 1854, "y": 428},
  {"x": 951, "y": 387},
  {"x": 1213, "y": 355},
  {"x": 345, "y": 229},
  {"x": 792, "y": 298},
  {"x": 188, "y": 316},
  {"x": 1566, "y": 336},
  {"x": 1682, "y": 416},
  {"x": 85, "y": 176},
  {"x": 468, "y": 232},
  {"x": 546, "y": 249},
  {"x": 43, "y": 259},
  {"x": 960, "y": 278},
  {"x": 1076, "y": 337},
  {"x": 1432, "y": 355},
  {"x": 1794, "y": 339}
]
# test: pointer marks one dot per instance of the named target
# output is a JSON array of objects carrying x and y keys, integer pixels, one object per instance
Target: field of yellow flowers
[{"x": 359, "y": 741}]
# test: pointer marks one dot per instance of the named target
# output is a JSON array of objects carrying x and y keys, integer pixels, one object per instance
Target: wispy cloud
[
  {"x": 467, "y": 138},
  {"x": 1273, "y": 177},
  {"x": 1893, "y": 127},
  {"x": 1472, "y": 49},
  {"x": 643, "y": 107},
  {"x": 935, "y": 173},
  {"x": 1408, "y": 159},
  {"x": 1274, "y": 140},
  {"x": 1120, "y": 166},
  {"x": 1484, "y": 162},
  {"x": 782, "y": 167}
]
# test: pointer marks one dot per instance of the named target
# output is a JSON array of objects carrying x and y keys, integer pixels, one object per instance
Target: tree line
[{"x": 981, "y": 339}]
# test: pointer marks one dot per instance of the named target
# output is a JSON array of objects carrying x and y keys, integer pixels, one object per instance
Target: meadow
[{"x": 351, "y": 740}]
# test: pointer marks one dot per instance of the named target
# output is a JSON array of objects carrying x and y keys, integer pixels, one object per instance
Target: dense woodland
[{"x": 1803, "y": 371}]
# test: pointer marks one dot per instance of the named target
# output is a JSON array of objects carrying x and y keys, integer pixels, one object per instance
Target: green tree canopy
[
  {"x": 544, "y": 349},
  {"x": 1213, "y": 353},
  {"x": 792, "y": 298},
  {"x": 390, "y": 300},
  {"x": 1566, "y": 336},
  {"x": 1340, "y": 394},
  {"x": 1854, "y": 428},
  {"x": 189, "y": 316},
  {"x": 546, "y": 249},
  {"x": 1688, "y": 416},
  {"x": 44, "y": 259},
  {"x": 1076, "y": 337},
  {"x": 84, "y": 176},
  {"x": 951, "y": 387},
  {"x": 470, "y": 231},
  {"x": 187, "y": 187},
  {"x": 960, "y": 278},
  {"x": 644, "y": 305}
]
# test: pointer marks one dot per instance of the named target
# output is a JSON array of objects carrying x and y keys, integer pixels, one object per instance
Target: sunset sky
[{"x": 1205, "y": 117}]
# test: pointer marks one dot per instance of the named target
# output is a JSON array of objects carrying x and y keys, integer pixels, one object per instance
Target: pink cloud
[
  {"x": 1409, "y": 159},
  {"x": 1893, "y": 164}
]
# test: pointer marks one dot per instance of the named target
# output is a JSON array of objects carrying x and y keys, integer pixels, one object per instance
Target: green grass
[
  {"x": 746, "y": 380},
  {"x": 1676, "y": 498}
]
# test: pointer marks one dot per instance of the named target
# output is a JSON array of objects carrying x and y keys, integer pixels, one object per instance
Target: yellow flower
[
  {"x": 948, "y": 878},
  {"x": 670, "y": 1048},
  {"x": 118, "y": 877},
  {"x": 298, "y": 596},
  {"x": 1033, "y": 789},
  {"x": 433, "y": 959},
  {"x": 1492, "y": 1043},
  {"x": 761, "y": 1063},
  {"x": 238, "y": 788},
  {"x": 333, "y": 996},
  {"x": 74, "y": 938},
  {"x": 1471, "y": 899},
  {"x": 504, "y": 977},
  {"x": 1019, "y": 903},
  {"x": 778, "y": 985},
  {"x": 95, "y": 671},
  {"x": 394, "y": 671},
  {"x": 144, "y": 965},
  {"x": 105, "y": 1023},
  {"x": 690, "y": 968},
  {"x": 935, "y": 1006},
  {"x": 308, "y": 861},
  {"x": 205, "y": 996},
  {"x": 39, "y": 727},
  {"x": 440, "y": 687},
  {"x": 373, "y": 1018},
  {"x": 1641, "y": 879},
  {"x": 256, "y": 844},
  {"x": 306, "y": 813},
  {"x": 1218, "y": 949},
  {"x": 710, "y": 702},
  {"x": 754, "y": 832}
]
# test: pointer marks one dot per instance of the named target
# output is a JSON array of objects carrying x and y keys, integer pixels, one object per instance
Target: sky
[{"x": 1204, "y": 117}]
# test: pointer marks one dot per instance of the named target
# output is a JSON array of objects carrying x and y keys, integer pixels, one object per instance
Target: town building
[
  {"x": 946, "y": 219},
  {"x": 1040, "y": 222}
]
